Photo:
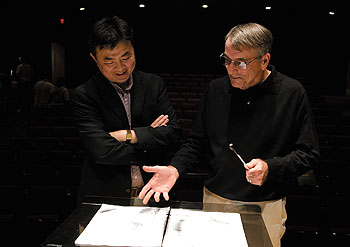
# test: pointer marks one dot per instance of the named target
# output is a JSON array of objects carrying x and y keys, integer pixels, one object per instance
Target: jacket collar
[
  {"x": 137, "y": 94},
  {"x": 110, "y": 97}
]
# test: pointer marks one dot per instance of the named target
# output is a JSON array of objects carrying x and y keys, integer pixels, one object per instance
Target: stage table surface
[{"x": 68, "y": 231}]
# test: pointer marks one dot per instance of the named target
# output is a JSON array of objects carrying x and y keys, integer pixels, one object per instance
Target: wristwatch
[{"x": 128, "y": 136}]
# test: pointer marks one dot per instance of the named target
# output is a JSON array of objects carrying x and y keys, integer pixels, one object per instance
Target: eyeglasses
[{"x": 226, "y": 61}]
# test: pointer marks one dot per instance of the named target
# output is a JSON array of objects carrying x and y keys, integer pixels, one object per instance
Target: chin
[
  {"x": 120, "y": 80},
  {"x": 237, "y": 85}
]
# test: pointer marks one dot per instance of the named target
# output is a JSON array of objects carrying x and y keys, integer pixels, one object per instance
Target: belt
[{"x": 134, "y": 192}]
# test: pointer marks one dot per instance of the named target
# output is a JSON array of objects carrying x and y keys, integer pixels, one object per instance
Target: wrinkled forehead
[{"x": 239, "y": 51}]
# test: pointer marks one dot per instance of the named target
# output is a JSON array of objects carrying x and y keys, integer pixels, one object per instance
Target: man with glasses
[
  {"x": 260, "y": 114},
  {"x": 124, "y": 116}
]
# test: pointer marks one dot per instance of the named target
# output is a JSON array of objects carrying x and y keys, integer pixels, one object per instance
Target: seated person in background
[
  {"x": 25, "y": 77},
  {"x": 43, "y": 94},
  {"x": 268, "y": 119},
  {"x": 124, "y": 116},
  {"x": 24, "y": 72},
  {"x": 61, "y": 95}
]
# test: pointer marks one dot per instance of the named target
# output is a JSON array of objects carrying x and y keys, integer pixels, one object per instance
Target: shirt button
[
  {"x": 248, "y": 102},
  {"x": 128, "y": 190}
]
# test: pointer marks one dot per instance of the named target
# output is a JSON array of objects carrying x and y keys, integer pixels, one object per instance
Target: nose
[{"x": 118, "y": 67}]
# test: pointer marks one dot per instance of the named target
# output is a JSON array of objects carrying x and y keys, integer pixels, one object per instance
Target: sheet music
[
  {"x": 125, "y": 226},
  {"x": 145, "y": 226},
  {"x": 192, "y": 228}
]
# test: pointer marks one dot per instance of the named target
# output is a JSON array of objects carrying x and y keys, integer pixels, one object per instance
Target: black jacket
[{"x": 99, "y": 110}]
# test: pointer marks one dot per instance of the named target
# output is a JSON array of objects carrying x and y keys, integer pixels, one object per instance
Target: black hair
[{"x": 108, "y": 32}]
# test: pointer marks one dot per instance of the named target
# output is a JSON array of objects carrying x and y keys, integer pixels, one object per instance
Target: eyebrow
[
  {"x": 111, "y": 58},
  {"x": 239, "y": 59}
]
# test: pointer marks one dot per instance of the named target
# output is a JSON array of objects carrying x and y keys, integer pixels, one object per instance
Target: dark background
[
  {"x": 41, "y": 155},
  {"x": 182, "y": 37}
]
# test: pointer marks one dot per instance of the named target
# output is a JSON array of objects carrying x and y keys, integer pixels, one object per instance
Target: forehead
[
  {"x": 123, "y": 48},
  {"x": 242, "y": 52}
]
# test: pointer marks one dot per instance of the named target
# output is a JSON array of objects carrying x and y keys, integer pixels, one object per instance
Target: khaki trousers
[{"x": 273, "y": 213}]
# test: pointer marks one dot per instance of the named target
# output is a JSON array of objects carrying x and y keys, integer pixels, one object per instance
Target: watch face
[{"x": 128, "y": 135}]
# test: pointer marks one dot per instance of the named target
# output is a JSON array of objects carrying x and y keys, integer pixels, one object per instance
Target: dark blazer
[{"x": 99, "y": 110}]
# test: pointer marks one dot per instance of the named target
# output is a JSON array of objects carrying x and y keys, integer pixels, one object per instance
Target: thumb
[
  {"x": 250, "y": 164},
  {"x": 150, "y": 168}
]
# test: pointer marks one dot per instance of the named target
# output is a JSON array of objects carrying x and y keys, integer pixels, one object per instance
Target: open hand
[{"x": 163, "y": 180}]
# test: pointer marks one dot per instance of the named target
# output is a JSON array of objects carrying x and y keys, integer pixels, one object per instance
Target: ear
[
  {"x": 93, "y": 57},
  {"x": 266, "y": 60}
]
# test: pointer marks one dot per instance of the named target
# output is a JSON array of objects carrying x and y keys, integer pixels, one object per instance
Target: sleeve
[
  {"x": 101, "y": 147},
  {"x": 305, "y": 154},
  {"x": 196, "y": 144},
  {"x": 150, "y": 138}
]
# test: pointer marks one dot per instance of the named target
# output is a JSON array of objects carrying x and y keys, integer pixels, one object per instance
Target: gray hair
[{"x": 251, "y": 35}]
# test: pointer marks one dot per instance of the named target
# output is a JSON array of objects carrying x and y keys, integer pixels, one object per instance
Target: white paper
[
  {"x": 125, "y": 226},
  {"x": 191, "y": 228},
  {"x": 145, "y": 226}
]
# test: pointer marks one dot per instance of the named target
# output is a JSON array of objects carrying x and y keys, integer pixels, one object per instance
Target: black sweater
[{"x": 272, "y": 121}]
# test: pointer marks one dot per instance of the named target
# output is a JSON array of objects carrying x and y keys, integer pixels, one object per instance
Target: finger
[
  {"x": 159, "y": 118},
  {"x": 166, "y": 196},
  {"x": 249, "y": 177},
  {"x": 248, "y": 173},
  {"x": 165, "y": 118},
  {"x": 157, "y": 121},
  {"x": 162, "y": 121},
  {"x": 165, "y": 122},
  {"x": 251, "y": 164},
  {"x": 144, "y": 191},
  {"x": 150, "y": 168},
  {"x": 157, "y": 196},
  {"x": 148, "y": 196}
]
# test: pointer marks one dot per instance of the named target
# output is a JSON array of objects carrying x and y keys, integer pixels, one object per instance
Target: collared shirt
[{"x": 125, "y": 96}]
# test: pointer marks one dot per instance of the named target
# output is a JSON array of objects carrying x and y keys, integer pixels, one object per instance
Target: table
[{"x": 70, "y": 229}]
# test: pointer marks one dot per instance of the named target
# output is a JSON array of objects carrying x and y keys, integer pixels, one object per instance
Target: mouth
[
  {"x": 121, "y": 74},
  {"x": 235, "y": 77}
]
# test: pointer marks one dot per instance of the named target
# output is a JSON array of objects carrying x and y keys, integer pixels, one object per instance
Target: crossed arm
[
  {"x": 164, "y": 177},
  {"x": 120, "y": 135}
]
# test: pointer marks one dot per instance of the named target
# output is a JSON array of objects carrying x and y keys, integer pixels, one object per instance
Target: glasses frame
[{"x": 238, "y": 63}]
